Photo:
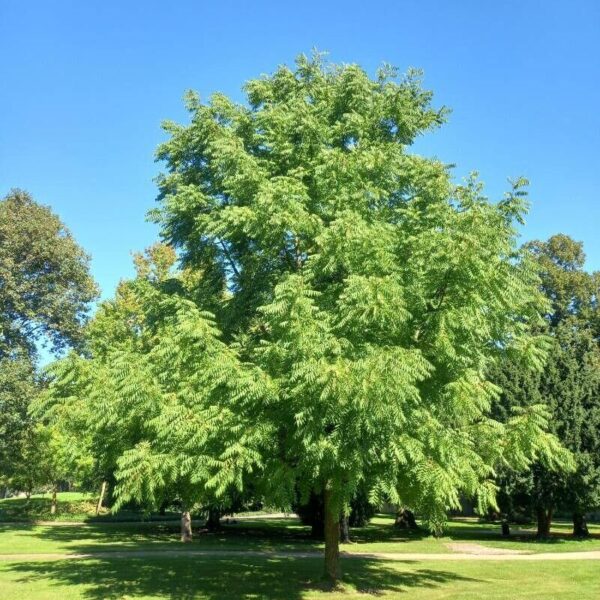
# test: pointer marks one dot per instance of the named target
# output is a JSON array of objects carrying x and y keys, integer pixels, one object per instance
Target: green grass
[
  {"x": 271, "y": 534},
  {"x": 289, "y": 579},
  {"x": 107, "y": 533},
  {"x": 212, "y": 578},
  {"x": 145, "y": 536},
  {"x": 522, "y": 537}
]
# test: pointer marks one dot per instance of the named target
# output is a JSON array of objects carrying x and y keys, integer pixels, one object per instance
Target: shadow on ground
[
  {"x": 274, "y": 534},
  {"x": 186, "y": 578},
  {"x": 97, "y": 537}
]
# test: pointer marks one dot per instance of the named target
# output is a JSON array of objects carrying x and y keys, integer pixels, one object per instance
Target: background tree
[
  {"x": 46, "y": 462},
  {"x": 370, "y": 291},
  {"x": 46, "y": 286},
  {"x": 45, "y": 292},
  {"x": 17, "y": 389},
  {"x": 569, "y": 385},
  {"x": 153, "y": 390}
]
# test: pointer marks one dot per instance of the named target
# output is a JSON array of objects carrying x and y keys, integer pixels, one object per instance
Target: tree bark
[
  {"x": 213, "y": 522},
  {"x": 544, "y": 520},
  {"x": 186, "y": 526},
  {"x": 101, "y": 497},
  {"x": 53, "y": 502},
  {"x": 345, "y": 529},
  {"x": 332, "y": 539},
  {"x": 580, "y": 528}
]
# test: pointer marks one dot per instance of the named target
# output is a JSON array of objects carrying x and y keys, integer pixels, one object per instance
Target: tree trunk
[
  {"x": 186, "y": 526},
  {"x": 345, "y": 529},
  {"x": 405, "y": 519},
  {"x": 53, "y": 502},
  {"x": 544, "y": 520},
  {"x": 101, "y": 497},
  {"x": 505, "y": 528},
  {"x": 332, "y": 539},
  {"x": 213, "y": 522},
  {"x": 580, "y": 528}
]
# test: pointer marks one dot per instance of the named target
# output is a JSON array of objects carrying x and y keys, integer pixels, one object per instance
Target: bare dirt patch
[{"x": 479, "y": 550}]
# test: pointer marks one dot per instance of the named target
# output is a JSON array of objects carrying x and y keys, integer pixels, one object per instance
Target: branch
[
  {"x": 441, "y": 295},
  {"x": 229, "y": 258}
]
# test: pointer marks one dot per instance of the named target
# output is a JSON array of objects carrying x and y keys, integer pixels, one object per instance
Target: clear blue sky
[{"x": 85, "y": 85}]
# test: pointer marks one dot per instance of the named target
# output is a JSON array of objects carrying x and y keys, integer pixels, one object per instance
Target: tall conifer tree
[{"x": 569, "y": 385}]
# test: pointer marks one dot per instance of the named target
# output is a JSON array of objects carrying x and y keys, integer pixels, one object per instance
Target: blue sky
[{"x": 85, "y": 86}]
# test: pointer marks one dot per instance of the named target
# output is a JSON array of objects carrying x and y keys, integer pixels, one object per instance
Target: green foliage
[
  {"x": 17, "y": 389},
  {"x": 46, "y": 287},
  {"x": 370, "y": 292},
  {"x": 571, "y": 291},
  {"x": 338, "y": 306},
  {"x": 154, "y": 394},
  {"x": 361, "y": 510},
  {"x": 46, "y": 458},
  {"x": 70, "y": 506},
  {"x": 45, "y": 291},
  {"x": 569, "y": 385}
]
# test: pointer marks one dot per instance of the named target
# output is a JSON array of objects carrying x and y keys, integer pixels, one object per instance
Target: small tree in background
[
  {"x": 154, "y": 392},
  {"x": 18, "y": 387},
  {"x": 569, "y": 385},
  {"x": 45, "y": 293},
  {"x": 46, "y": 285}
]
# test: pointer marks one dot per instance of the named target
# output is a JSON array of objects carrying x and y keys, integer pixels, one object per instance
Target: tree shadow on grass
[
  {"x": 95, "y": 537},
  {"x": 278, "y": 535},
  {"x": 486, "y": 532},
  {"x": 386, "y": 533},
  {"x": 187, "y": 578}
]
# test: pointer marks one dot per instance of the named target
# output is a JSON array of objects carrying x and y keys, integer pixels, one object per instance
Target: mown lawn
[
  {"x": 295, "y": 579},
  {"x": 272, "y": 534},
  {"x": 523, "y": 538},
  {"x": 211, "y": 578}
]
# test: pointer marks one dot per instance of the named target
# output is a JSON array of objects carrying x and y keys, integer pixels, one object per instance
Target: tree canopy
[
  {"x": 153, "y": 394},
  {"x": 45, "y": 285},
  {"x": 338, "y": 306},
  {"x": 569, "y": 385},
  {"x": 45, "y": 293},
  {"x": 371, "y": 292}
]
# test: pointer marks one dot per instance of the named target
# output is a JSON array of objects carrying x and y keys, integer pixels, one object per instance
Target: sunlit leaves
[
  {"x": 367, "y": 296},
  {"x": 369, "y": 291}
]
